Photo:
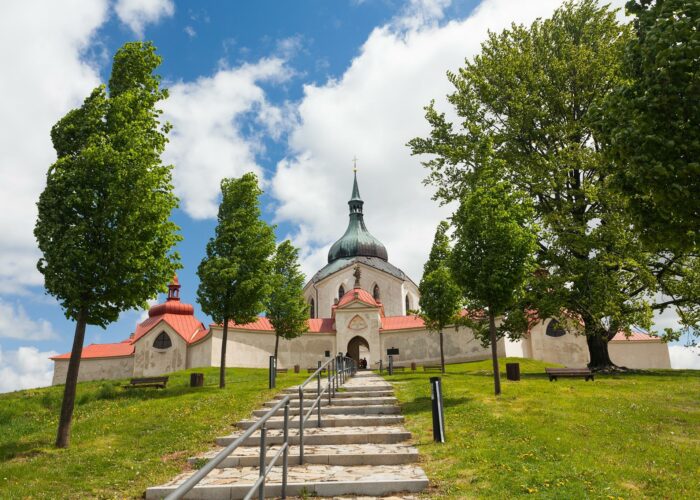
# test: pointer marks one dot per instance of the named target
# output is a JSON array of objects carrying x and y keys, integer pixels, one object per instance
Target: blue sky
[{"x": 289, "y": 90}]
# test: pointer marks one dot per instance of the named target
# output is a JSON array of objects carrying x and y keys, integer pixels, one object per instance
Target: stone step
[
  {"x": 313, "y": 480},
  {"x": 347, "y": 454},
  {"x": 327, "y": 436},
  {"x": 330, "y": 421},
  {"x": 338, "y": 410},
  {"x": 341, "y": 395},
  {"x": 341, "y": 402},
  {"x": 346, "y": 388}
]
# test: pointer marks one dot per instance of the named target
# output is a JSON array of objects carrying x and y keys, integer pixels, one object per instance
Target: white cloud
[
  {"x": 684, "y": 357},
  {"x": 40, "y": 47},
  {"x": 190, "y": 31},
  {"x": 138, "y": 13},
  {"x": 15, "y": 323},
  {"x": 208, "y": 141},
  {"x": 25, "y": 368},
  {"x": 371, "y": 111}
]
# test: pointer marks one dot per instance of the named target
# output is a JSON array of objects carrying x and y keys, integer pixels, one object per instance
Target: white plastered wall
[
  {"x": 392, "y": 290},
  {"x": 199, "y": 354},
  {"x": 95, "y": 369},
  {"x": 423, "y": 347},
  {"x": 150, "y": 361},
  {"x": 639, "y": 354},
  {"x": 253, "y": 349}
]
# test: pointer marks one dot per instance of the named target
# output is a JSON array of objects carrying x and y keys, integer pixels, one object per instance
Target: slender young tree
[
  {"x": 234, "y": 274},
  {"x": 493, "y": 256},
  {"x": 526, "y": 102},
  {"x": 286, "y": 308},
  {"x": 440, "y": 296},
  {"x": 103, "y": 225}
]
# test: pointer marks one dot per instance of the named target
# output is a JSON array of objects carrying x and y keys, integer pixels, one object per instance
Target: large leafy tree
[
  {"x": 493, "y": 258},
  {"x": 234, "y": 274},
  {"x": 525, "y": 103},
  {"x": 103, "y": 225},
  {"x": 440, "y": 297},
  {"x": 286, "y": 308},
  {"x": 652, "y": 122}
]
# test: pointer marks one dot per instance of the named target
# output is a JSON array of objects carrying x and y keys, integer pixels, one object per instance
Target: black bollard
[
  {"x": 273, "y": 372},
  {"x": 438, "y": 414},
  {"x": 391, "y": 365}
]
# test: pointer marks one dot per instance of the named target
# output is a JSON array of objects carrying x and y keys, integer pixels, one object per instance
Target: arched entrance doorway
[{"x": 358, "y": 348}]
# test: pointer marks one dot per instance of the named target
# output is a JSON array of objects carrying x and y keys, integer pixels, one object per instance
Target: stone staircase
[{"x": 360, "y": 450}]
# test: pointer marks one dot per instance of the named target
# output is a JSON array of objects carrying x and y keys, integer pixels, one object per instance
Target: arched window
[
  {"x": 408, "y": 304},
  {"x": 375, "y": 293},
  {"x": 162, "y": 341},
  {"x": 341, "y": 292},
  {"x": 554, "y": 329},
  {"x": 312, "y": 309}
]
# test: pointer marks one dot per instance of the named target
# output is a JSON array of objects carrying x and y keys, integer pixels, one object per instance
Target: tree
[
  {"x": 286, "y": 308},
  {"x": 651, "y": 122},
  {"x": 493, "y": 256},
  {"x": 234, "y": 274},
  {"x": 524, "y": 103},
  {"x": 103, "y": 219},
  {"x": 440, "y": 300}
]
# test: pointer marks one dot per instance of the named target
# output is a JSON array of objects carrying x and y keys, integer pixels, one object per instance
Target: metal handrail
[
  {"x": 193, "y": 480},
  {"x": 341, "y": 367}
]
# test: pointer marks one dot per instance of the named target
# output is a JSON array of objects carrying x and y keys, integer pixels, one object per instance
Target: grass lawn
[
  {"x": 123, "y": 440},
  {"x": 625, "y": 436}
]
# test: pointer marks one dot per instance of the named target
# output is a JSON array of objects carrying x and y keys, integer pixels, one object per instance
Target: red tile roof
[
  {"x": 321, "y": 325},
  {"x": 186, "y": 326},
  {"x": 402, "y": 322},
  {"x": 262, "y": 324},
  {"x": 635, "y": 336},
  {"x": 117, "y": 350},
  {"x": 357, "y": 294}
]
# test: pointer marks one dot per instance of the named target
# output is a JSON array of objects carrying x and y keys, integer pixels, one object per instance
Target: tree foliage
[
  {"x": 234, "y": 274},
  {"x": 651, "y": 122},
  {"x": 525, "y": 104},
  {"x": 493, "y": 257},
  {"x": 287, "y": 309},
  {"x": 440, "y": 300},
  {"x": 103, "y": 219}
]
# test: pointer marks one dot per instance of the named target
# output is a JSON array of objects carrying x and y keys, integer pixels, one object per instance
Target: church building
[{"x": 359, "y": 304}]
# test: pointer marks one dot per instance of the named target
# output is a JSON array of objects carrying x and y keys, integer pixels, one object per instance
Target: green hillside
[
  {"x": 624, "y": 436},
  {"x": 123, "y": 440},
  {"x": 627, "y": 436}
]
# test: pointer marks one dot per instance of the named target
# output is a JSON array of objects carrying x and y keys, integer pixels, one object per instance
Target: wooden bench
[
  {"x": 148, "y": 382},
  {"x": 432, "y": 368},
  {"x": 311, "y": 370},
  {"x": 282, "y": 370},
  {"x": 569, "y": 372}
]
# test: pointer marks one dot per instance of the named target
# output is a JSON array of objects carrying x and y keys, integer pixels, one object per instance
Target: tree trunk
[
  {"x": 277, "y": 343},
  {"x": 442, "y": 354},
  {"x": 494, "y": 354},
  {"x": 222, "y": 369},
  {"x": 598, "y": 350},
  {"x": 64, "y": 424}
]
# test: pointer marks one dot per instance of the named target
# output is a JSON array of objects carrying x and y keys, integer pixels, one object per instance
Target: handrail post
[
  {"x": 263, "y": 456},
  {"x": 329, "y": 387},
  {"x": 301, "y": 426},
  {"x": 318, "y": 394},
  {"x": 285, "y": 457}
]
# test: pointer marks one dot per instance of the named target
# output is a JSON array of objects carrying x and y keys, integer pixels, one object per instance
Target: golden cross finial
[{"x": 354, "y": 164}]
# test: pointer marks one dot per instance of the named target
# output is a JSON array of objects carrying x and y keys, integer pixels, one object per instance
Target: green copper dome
[{"x": 356, "y": 241}]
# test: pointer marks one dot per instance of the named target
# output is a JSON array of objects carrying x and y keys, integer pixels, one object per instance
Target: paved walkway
[{"x": 360, "y": 451}]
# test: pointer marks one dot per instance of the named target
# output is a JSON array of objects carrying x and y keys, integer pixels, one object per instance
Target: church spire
[{"x": 357, "y": 241}]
